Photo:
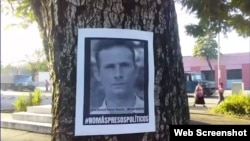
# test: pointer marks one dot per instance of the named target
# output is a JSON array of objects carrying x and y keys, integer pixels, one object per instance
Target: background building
[
  {"x": 41, "y": 77},
  {"x": 234, "y": 68}
]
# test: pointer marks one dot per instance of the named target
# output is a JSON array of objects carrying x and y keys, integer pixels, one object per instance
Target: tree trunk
[
  {"x": 59, "y": 21},
  {"x": 210, "y": 66}
]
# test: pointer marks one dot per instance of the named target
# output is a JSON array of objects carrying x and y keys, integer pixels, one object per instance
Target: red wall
[
  {"x": 196, "y": 69},
  {"x": 227, "y": 62},
  {"x": 246, "y": 75}
]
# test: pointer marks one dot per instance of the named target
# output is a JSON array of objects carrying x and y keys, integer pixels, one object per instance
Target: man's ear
[{"x": 96, "y": 74}]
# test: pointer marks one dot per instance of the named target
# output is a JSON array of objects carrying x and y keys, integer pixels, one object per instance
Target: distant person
[
  {"x": 116, "y": 71},
  {"x": 47, "y": 85},
  {"x": 199, "y": 95},
  {"x": 221, "y": 92}
]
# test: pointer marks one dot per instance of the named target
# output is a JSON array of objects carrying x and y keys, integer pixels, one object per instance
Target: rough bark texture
[
  {"x": 210, "y": 66},
  {"x": 59, "y": 21},
  {"x": 209, "y": 63}
]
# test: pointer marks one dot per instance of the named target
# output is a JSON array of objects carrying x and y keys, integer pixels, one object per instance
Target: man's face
[{"x": 117, "y": 71}]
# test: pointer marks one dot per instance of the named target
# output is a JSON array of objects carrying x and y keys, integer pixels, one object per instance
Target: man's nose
[{"x": 118, "y": 73}]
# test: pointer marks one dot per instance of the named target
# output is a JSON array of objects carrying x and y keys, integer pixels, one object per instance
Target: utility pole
[{"x": 218, "y": 59}]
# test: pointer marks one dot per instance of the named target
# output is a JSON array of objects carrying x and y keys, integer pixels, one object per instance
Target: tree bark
[
  {"x": 210, "y": 66},
  {"x": 59, "y": 21}
]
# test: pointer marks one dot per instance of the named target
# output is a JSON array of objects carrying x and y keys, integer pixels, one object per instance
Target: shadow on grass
[
  {"x": 193, "y": 122},
  {"x": 207, "y": 114}
]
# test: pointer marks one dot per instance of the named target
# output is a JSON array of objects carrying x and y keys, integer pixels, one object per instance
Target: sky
[
  {"x": 230, "y": 44},
  {"x": 16, "y": 43}
]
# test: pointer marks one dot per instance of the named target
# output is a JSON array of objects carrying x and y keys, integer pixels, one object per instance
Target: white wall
[{"x": 41, "y": 77}]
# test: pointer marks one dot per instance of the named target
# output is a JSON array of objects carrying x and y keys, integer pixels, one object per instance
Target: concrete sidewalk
[
  {"x": 198, "y": 114},
  {"x": 18, "y": 135}
]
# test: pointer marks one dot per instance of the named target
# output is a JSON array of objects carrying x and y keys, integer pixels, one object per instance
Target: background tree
[
  {"x": 36, "y": 62},
  {"x": 206, "y": 48},
  {"x": 59, "y": 22},
  {"x": 218, "y": 16},
  {"x": 8, "y": 69},
  {"x": 18, "y": 67},
  {"x": 20, "y": 9}
]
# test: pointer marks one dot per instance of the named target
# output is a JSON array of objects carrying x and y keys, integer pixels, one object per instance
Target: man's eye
[
  {"x": 125, "y": 64},
  {"x": 109, "y": 66}
]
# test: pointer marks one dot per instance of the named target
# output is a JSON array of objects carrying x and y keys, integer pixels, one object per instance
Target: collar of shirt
[{"x": 138, "y": 104}]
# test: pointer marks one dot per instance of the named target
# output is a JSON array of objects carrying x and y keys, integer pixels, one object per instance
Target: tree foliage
[
  {"x": 214, "y": 15},
  {"x": 36, "y": 62},
  {"x": 8, "y": 69},
  {"x": 31, "y": 65},
  {"x": 20, "y": 9},
  {"x": 218, "y": 16},
  {"x": 206, "y": 48}
]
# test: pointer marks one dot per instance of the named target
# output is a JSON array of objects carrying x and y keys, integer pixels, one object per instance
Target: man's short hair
[
  {"x": 104, "y": 44},
  {"x": 221, "y": 83}
]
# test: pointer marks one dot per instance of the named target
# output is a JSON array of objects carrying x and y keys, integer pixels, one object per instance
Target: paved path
[{"x": 17, "y": 135}]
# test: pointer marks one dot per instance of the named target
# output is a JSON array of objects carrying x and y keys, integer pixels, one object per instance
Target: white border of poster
[{"x": 110, "y": 124}]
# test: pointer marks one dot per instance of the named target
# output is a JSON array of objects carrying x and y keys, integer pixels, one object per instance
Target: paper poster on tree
[{"x": 115, "y": 82}]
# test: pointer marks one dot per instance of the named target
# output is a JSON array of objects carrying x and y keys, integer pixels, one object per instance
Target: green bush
[
  {"x": 36, "y": 97},
  {"x": 24, "y": 101},
  {"x": 21, "y": 103},
  {"x": 236, "y": 104}
]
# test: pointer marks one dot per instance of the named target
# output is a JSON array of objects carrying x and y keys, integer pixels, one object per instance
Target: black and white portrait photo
[
  {"x": 117, "y": 76},
  {"x": 115, "y": 81}
]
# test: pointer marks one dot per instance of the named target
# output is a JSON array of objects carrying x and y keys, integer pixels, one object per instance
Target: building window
[
  {"x": 208, "y": 75},
  {"x": 234, "y": 74},
  {"x": 188, "y": 77}
]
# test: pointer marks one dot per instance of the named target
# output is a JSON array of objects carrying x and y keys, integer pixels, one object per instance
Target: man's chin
[{"x": 119, "y": 93}]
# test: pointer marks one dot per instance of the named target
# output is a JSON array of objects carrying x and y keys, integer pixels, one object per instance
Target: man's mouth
[{"x": 118, "y": 84}]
